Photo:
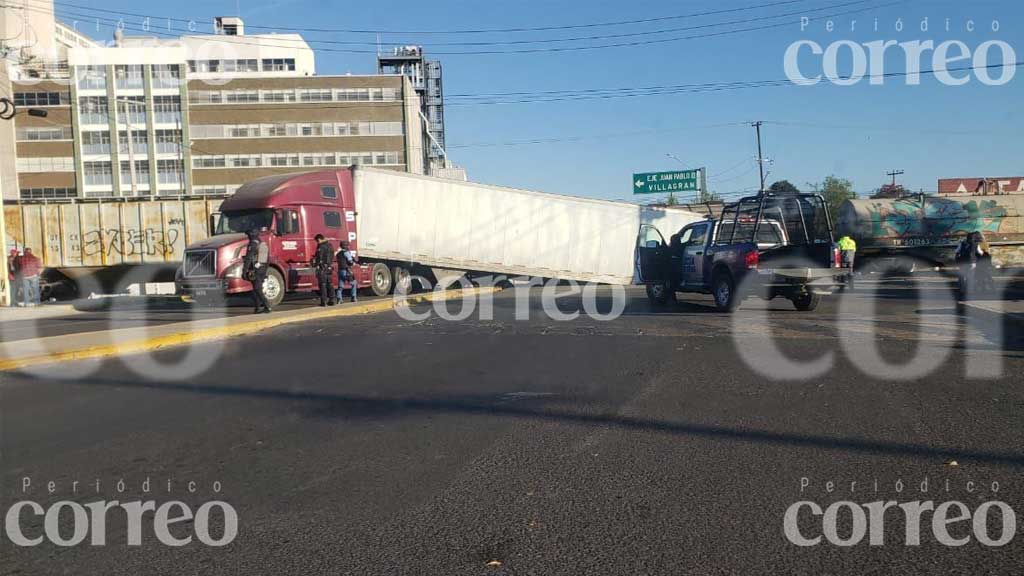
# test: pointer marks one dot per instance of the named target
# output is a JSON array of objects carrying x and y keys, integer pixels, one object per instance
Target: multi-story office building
[{"x": 200, "y": 115}]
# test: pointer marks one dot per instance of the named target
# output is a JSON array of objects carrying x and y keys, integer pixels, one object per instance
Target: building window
[
  {"x": 93, "y": 110},
  {"x": 166, "y": 76},
  {"x": 237, "y": 96},
  {"x": 314, "y": 129},
  {"x": 35, "y": 134},
  {"x": 218, "y": 190},
  {"x": 279, "y": 64},
  {"x": 244, "y": 131},
  {"x": 91, "y": 77},
  {"x": 141, "y": 173},
  {"x": 97, "y": 173},
  {"x": 248, "y": 65},
  {"x": 128, "y": 77},
  {"x": 272, "y": 96},
  {"x": 168, "y": 141},
  {"x": 131, "y": 109},
  {"x": 245, "y": 161},
  {"x": 203, "y": 66},
  {"x": 96, "y": 142},
  {"x": 168, "y": 171},
  {"x": 208, "y": 162},
  {"x": 205, "y": 97},
  {"x": 167, "y": 109},
  {"x": 315, "y": 95},
  {"x": 140, "y": 142},
  {"x": 28, "y": 99},
  {"x": 47, "y": 193},
  {"x": 46, "y": 164}
]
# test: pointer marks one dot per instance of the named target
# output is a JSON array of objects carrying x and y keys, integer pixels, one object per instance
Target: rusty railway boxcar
[{"x": 106, "y": 240}]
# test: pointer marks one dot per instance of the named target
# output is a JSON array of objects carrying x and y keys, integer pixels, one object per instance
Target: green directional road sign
[{"x": 665, "y": 182}]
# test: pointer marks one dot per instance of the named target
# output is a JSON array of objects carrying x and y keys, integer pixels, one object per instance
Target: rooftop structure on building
[{"x": 426, "y": 78}]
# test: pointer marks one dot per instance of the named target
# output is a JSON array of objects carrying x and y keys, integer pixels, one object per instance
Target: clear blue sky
[{"x": 857, "y": 132}]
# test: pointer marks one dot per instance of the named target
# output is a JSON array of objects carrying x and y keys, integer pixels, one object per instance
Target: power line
[
  {"x": 646, "y": 33},
  {"x": 635, "y": 43},
  {"x": 463, "y": 31}
]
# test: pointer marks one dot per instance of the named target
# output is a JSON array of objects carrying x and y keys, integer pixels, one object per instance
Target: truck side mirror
[{"x": 214, "y": 219}]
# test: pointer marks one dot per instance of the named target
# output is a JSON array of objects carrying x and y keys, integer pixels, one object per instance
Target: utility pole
[
  {"x": 760, "y": 155},
  {"x": 131, "y": 148},
  {"x": 894, "y": 174}
]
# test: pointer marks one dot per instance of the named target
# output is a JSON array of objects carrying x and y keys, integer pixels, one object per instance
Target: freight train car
[
  {"x": 105, "y": 240},
  {"x": 902, "y": 232}
]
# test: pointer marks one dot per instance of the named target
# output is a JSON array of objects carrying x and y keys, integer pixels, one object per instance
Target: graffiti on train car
[
  {"x": 942, "y": 218},
  {"x": 133, "y": 241}
]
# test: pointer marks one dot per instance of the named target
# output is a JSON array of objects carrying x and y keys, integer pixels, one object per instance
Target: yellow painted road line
[{"x": 221, "y": 332}]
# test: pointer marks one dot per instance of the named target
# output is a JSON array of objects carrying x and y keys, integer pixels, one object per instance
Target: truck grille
[{"x": 199, "y": 263}]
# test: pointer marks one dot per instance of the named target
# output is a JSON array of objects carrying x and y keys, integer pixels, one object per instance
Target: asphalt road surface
[{"x": 657, "y": 443}]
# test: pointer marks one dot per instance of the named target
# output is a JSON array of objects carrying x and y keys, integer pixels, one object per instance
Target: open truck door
[{"x": 651, "y": 255}]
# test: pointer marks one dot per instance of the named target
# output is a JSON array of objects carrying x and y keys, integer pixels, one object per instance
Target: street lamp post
[{"x": 703, "y": 182}]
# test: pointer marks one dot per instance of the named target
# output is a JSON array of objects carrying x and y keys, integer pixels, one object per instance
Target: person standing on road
[
  {"x": 848, "y": 253},
  {"x": 14, "y": 275},
  {"x": 29, "y": 267},
  {"x": 323, "y": 262},
  {"x": 254, "y": 268},
  {"x": 346, "y": 260},
  {"x": 982, "y": 257}
]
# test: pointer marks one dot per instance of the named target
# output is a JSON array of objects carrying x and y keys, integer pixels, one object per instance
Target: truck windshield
[{"x": 244, "y": 220}]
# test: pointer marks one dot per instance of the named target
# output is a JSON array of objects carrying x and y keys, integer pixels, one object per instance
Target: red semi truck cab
[{"x": 289, "y": 210}]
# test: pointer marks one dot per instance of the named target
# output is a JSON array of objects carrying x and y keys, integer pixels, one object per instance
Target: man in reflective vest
[{"x": 848, "y": 251}]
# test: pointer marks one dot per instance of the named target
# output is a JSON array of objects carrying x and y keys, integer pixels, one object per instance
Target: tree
[
  {"x": 708, "y": 196},
  {"x": 783, "y": 187},
  {"x": 835, "y": 191},
  {"x": 671, "y": 200}
]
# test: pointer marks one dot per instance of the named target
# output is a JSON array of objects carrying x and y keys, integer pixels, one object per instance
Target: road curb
[{"x": 227, "y": 331}]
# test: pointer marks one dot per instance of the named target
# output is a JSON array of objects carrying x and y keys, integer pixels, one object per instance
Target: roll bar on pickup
[{"x": 774, "y": 200}]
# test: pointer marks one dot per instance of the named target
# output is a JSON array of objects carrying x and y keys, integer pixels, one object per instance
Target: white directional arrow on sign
[{"x": 639, "y": 183}]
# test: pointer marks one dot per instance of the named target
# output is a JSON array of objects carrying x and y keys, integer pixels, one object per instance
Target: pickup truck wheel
[
  {"x": 660, "y": 294},
  {"x": 381, "y": 276},
  {"x": 806, "y": 302},
  {"x": 724, "y": 291},
  {"x": 273, "y": 288}
]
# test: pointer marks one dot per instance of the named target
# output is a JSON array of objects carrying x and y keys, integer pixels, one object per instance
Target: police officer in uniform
[
  {"x": 346, "y": 260},
  {"x": 254, "y": 270},
  {"x": 323, "y": 262}
]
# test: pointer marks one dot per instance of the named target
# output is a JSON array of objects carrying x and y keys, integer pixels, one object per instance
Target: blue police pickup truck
[{"x": 769, "y": 246}]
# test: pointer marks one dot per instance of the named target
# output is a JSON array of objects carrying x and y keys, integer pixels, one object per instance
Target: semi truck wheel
[
  {"x": 806, "y": 302},
  {"x": 273, "y": 288},
  {"x": 402, "y": 280},
  {"x": 381, "y": 279},
  {"x": 724, "y": 291}
]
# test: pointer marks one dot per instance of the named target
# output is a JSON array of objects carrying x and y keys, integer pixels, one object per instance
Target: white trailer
[{"x": 480, "y": 228}]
